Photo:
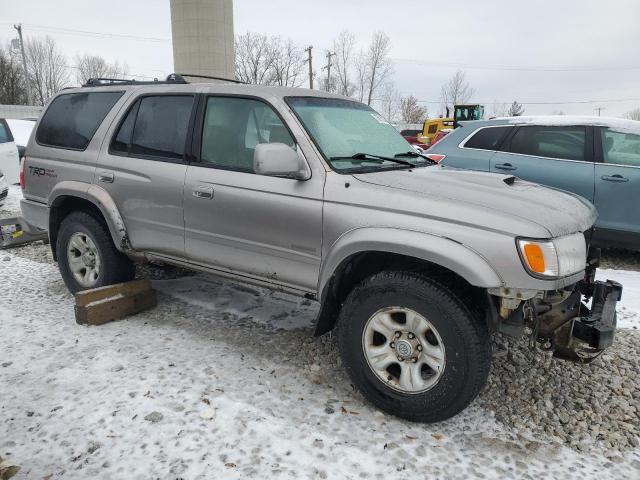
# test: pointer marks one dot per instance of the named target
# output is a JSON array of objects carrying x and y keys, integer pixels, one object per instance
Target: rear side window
[
  {"x": 161, "y": 126},
  {"x": 489, "y": 138},
  {"x": 72, "y": 119},
  {"x": 5, "y": 134},
  {"x": 566, "y": 143}
]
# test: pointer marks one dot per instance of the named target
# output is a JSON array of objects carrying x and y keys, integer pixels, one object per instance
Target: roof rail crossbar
[
  {"x": 106, "y": 82},
  {"x": 195, "y": 75}
]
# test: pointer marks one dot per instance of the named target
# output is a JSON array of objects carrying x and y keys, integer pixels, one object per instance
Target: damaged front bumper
[{"x": 577, "y": 323}]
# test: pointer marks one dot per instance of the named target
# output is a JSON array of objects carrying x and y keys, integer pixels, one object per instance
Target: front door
[
  {"x": 143, "y": 169},
  {"x": 618, "y": 189},
  {"x": 557, "y": 156},
  {"x": 268, "y": 228}
]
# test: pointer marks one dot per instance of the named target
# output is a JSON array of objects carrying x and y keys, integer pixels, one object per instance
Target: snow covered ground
[{"x": 226, "y": 381}]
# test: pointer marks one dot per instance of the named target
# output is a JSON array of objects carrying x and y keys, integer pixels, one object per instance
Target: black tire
[
  {"x": 115, "y": 266},
  {"x": 465, "y": 339}
]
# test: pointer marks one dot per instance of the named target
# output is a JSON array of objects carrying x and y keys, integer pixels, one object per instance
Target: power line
[
  {"x": 70, "y": 31},
  {"x": 532, "y": 68},
  {"x": 576, "y": 102}
]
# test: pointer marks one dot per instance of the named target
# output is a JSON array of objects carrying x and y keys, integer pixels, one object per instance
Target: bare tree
[
  {"x": 255, "y": 58},
  {"x": 389, "y": 102},
  {"x": 379, "y": 66},
  {"x": 47, "y": 68},
  {"x": 633, "y": 114},
  {"x": 93, "y": 66},
  {"x": 12, "y": 82},
  {"x": 515, "y": 110},
  {"x": 343, "y": 48},
  {"x": 288, "y": 66},
  {"x": 411, "y": 111},
  {"x": 499, "y": 109},
  {"x": 456, "y": 91},
  {"x": 362, "y": 72}
]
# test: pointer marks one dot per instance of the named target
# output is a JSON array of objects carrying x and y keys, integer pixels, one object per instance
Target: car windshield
[{"x": 353, "y": 136}]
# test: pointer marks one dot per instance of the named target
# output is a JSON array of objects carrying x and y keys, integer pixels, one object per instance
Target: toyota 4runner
[{"x": 414, "y": 265}]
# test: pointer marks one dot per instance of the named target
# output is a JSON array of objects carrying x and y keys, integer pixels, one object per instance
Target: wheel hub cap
[
  {"x": 403, "y": 349},
  {"x": 83, "y": 259}
]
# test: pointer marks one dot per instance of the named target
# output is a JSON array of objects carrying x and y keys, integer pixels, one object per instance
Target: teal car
[{"x": 596, "y": 158}]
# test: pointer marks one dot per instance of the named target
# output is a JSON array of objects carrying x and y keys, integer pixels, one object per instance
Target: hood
[{"x": 556, "y": 211}]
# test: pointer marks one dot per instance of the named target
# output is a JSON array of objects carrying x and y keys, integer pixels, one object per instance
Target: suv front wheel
[
  {"x": 87, "y": 257},
  {"x": 412, "y": 347}
]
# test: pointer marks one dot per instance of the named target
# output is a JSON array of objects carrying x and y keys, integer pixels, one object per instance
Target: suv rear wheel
[
  {"x": 412, "y": 347},
  {"x": 87, "y": 257}
]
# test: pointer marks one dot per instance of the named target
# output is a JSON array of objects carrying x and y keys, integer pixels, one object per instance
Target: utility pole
[
  {"x": 599, "y": 109},
  {"x": 308, "y": 50},
  {"x": 18, "y": 27},
  {"x": 328, "y": 69}
]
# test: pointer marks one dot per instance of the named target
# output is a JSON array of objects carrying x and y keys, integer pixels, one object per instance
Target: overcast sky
[{"x": 542, "y": 51}]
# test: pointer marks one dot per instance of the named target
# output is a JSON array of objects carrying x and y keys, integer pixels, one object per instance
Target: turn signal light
[{"x": 535, "y": 257}]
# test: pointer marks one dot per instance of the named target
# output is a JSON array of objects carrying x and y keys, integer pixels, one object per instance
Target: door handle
[
  {"x": 106, "y": 177},
  {"x": 203, "y": 192},
  {"x": 614, "y": 178},
  {"x": 505, "y": 166}
]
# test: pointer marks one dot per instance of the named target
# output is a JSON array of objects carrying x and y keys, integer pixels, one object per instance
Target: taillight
[
  {"x": 23, "y": 160},
  {"x": 436, "y": 157}
]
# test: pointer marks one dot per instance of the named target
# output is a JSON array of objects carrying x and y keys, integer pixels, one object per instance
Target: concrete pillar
[{"x": 202, "y": 32}]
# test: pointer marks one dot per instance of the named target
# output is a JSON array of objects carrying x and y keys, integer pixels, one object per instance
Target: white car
[
  {"x": 4, "y": 188},
  {"x": 9, "y": 158}
]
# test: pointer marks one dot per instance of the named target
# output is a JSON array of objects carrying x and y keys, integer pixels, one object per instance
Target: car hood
[{"x": 556, "y": 211}]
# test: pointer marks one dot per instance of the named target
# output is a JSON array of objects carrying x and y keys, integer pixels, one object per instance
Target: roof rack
[
  {"x": 195, "y": 75},
  {"x": 173, "y": 79},
  {"x": 107, "y": 82}
]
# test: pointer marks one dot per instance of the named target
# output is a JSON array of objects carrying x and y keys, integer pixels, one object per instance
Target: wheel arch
[
  {"x": 69, "y": 196},
  {"x": 366, "y": 251}
]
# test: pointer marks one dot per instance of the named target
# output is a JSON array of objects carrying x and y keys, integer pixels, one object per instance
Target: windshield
[{"x": 343, "y": 129}]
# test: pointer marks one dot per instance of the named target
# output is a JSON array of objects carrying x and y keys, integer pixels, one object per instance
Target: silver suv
[{"x": 316, "y": 194}]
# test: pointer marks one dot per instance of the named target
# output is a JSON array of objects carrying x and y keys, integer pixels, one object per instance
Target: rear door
[
  {"x": 143, "y": 168},
  {"x": 265, "y": 227},
  {"x": 557, "y": 156},
  {"x": 9, "y": 161},
  {"x": 618, "y": 188}
]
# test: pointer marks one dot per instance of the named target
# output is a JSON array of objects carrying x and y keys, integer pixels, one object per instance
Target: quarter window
[
  {"x": 553, "y": 142},
  {"x": 161, "y": 126},
  {"x": 488, "y": 138},
  {"x": 72, "y": 119},
  {"x": 232, "y": 129},
  {"x": 122, "y": 140},
  {"x": 620, "y": 148}
]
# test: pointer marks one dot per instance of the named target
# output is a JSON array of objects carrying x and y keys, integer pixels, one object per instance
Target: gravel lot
[{"x": 225, "y": 381}]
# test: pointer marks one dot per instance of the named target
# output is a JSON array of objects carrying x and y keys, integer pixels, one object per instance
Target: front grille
[{"x": 4, "y": 194}]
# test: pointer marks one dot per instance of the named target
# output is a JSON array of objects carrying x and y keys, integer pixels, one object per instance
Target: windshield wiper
[
  {"x": 415, "y": 154},
  {"x": 369, "y": 156}
]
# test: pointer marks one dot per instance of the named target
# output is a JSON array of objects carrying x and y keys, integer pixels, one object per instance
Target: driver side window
[{"x": 232, "y": 129}]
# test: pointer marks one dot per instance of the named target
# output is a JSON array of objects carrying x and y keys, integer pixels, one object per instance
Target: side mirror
[{"x": 280, "y": 160}]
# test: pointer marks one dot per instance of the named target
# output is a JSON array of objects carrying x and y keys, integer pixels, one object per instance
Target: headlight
[{"x": 555, "y": 258}]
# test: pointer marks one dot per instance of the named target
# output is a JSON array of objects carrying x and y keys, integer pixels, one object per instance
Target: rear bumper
[{"x": 36, "y": 213}]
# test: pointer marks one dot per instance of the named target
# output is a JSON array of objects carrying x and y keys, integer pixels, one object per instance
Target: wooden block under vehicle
[{"x": 105, "y": 304}]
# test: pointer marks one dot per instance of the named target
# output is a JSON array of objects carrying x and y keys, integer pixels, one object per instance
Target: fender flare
[
  {"x": 99, "y": 197},
  {"x": 442, "y": 251}
]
